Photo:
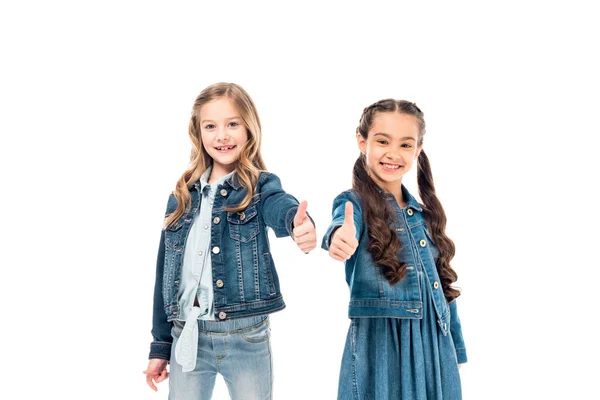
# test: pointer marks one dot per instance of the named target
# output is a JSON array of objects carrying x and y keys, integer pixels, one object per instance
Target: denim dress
[
  {"x": 394, "y": 358},
  {"x": 390, "y": 354}
]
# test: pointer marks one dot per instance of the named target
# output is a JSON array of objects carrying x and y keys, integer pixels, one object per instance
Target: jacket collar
[
  {"x": 410, "y": 200},
  {"x": 231, "y": 181}
]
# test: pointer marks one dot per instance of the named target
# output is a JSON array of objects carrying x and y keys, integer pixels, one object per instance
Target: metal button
[
  {"x": 222, "y": 315},
  {"x": 216, "y": 250},
  {"x": 423, "y": 243},
  {"x": 219, "y": 283},
  {"x": 200, "y": 252},
  {"x": 216, "y": 220},
  {"x": 436, "y": 285},
  {"x": 409, "y": 211},
  {"x": 223, "y": 192},
  {"x": 242, "y": 216},
  {"x": 205, "y": 227}
]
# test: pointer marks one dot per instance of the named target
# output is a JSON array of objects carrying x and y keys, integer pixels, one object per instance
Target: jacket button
[
  {"x": 423, "y": 243},
  {"x": 223, "y": 192},
  {"x": 409, "y": 211},
  {"x": 242, "y": 216},
  {"x": 436, "y": 285},
  {"x": 222, "y": 315},
  {"x": 219, "y": 283},
  {"x": 216, "y": 250},
  {"x": 216, "y": 220}
]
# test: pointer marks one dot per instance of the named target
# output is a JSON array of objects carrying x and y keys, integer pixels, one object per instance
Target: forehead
[
  {"x": 395, "y": 124},
  {"x": 220, "y": 108}
]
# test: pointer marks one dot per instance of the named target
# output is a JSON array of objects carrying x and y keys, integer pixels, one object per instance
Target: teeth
[{"x": 391, "y": 166}]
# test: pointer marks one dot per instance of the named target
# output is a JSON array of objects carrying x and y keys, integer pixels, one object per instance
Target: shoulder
[
  {"x": 171, "y": 203},
  {"x": 268, "y": 181},
  {"x": 349, "y": 195}
]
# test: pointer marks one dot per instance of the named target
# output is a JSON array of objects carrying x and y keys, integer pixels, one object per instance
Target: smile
[
  {"x": 390, "y": 167},
  {"x": 225, "y": 148}
]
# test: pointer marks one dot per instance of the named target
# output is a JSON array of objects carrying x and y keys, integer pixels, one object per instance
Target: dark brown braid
[{"x": 384, "y": 243}]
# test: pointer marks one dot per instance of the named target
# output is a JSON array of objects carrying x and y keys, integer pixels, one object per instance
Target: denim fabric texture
[
  {"x": 238, "y": 349},
  {"x": 371, "y": 295},
  {"x": 245, "y": 282}
]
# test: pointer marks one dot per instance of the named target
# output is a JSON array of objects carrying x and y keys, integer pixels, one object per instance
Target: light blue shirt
[{"x": 196, "y": 274}]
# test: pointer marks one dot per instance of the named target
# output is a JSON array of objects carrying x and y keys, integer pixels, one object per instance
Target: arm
[
  {"x": 339, "y": 214},
  {"x": 277, "y": 207},
  {"x": 161, "y": 328},
  {"x": 456, "y": 332}
]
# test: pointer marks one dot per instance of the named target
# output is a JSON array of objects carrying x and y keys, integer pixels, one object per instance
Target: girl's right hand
[
  {"x": 156, "y": 372},
  {"x": 343, "y": 242}
]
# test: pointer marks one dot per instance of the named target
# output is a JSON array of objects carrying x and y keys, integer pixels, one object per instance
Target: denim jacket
[
  {"x": 371, "y": 295},
  {"x": 245, "y": 282}
]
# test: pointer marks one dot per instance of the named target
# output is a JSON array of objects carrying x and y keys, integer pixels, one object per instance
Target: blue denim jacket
[
  {"x": 245, "y": 282},
  {"x": 371, "y": 295}
]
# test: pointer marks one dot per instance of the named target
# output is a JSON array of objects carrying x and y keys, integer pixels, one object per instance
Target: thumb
[
  {"x": 300, "y": 214},
  {"x": 349, "y": 215}
]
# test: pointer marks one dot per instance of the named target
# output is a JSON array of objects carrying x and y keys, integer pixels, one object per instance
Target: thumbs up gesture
[
  {"x": 344, "y": 243},
  {"x": 304, "y": 233}
]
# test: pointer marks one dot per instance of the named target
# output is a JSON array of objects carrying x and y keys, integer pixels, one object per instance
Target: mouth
[
  {"x": 225, "y": 149},
  {"x": 390, "y": 167}
]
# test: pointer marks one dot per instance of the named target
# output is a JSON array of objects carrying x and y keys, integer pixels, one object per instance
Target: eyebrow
[
  {"x": 390, "y": 136},
  {"x": 226, "y": 119}
]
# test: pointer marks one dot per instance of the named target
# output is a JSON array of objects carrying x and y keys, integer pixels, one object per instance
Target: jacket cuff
[
  {"x": 161, "y": 350},
  {"x": 461, "y": 355},
  {"x": 327, "y": 237}
]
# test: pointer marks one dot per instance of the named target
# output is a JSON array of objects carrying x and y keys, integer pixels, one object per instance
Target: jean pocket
[
  {"x": 257, "y": 333},
  {"x": 243, "y": 226}
]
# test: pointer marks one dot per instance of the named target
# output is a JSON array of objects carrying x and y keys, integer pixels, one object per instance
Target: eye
[
  {"x": 209, "y": 126},
  {"x": 406, "y": 145},
  {"x": 234, "y": 124},
  {"x": 383, "y": 142}
]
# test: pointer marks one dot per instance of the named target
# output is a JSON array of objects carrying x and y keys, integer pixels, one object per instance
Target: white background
[{"x": 95, "y": 102}]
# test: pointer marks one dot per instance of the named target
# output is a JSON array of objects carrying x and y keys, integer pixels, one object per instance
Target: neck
[
  {"x": 394, "y": 188},
  {"x": 219, "y": 171}
]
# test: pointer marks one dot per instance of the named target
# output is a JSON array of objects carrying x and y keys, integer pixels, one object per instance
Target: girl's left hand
[{"x": 304, "y": 232}]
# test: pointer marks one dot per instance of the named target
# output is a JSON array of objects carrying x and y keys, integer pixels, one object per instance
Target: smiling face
[
  {"x": 223, "y": 134},
  {"x": 390, "y": 148}
]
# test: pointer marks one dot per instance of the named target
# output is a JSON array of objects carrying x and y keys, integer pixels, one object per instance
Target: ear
[
  {"x": 418, "y": 152},
  {"x": 362, "y": 143}
]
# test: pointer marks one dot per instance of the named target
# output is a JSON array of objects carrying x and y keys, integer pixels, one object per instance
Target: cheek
[{"x": 241, "y": 137}]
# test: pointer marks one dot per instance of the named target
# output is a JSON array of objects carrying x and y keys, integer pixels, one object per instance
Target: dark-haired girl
[{"x": 405, "y": 339}]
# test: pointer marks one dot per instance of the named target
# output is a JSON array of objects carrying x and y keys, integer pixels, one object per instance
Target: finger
[
  {"x": 349, "y": 214},
  {"x": 307, "y": 247},
  {"x": 151, "y": 383},
  {"x": 300, "y": 231},
  {"x": 163, "y": 375},
  {"x": 345, "y": 249},
  {"x": 336, "y": 255},
  {"x": 300, "y": 214},
  {"x": 304, "y": 237}
]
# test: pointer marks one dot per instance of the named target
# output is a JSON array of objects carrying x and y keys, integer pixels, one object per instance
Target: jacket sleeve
[
  {"x": 456, "y": 332},
  {"x": 161, "y": 328},
  {"x": 338, "y": 213},
  {"x": 278, "y": 208}
]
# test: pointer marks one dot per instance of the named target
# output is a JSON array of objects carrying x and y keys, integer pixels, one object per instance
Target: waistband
[{"x": 227, "y": 326}]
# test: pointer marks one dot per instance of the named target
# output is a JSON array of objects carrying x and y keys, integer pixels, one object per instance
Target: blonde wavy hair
[{"x": 250, "y": 163}]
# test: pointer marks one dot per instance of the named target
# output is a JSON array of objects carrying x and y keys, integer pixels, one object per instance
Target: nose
[{"x": 222, "y": 135}]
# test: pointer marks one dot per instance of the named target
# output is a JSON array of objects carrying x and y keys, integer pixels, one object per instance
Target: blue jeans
[{"x": 238, "y": 349}]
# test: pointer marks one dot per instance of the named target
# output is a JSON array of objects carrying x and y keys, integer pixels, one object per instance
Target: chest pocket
[
  {"x": 173, "y": 233},
  {"x": 243, "y": 225}
]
